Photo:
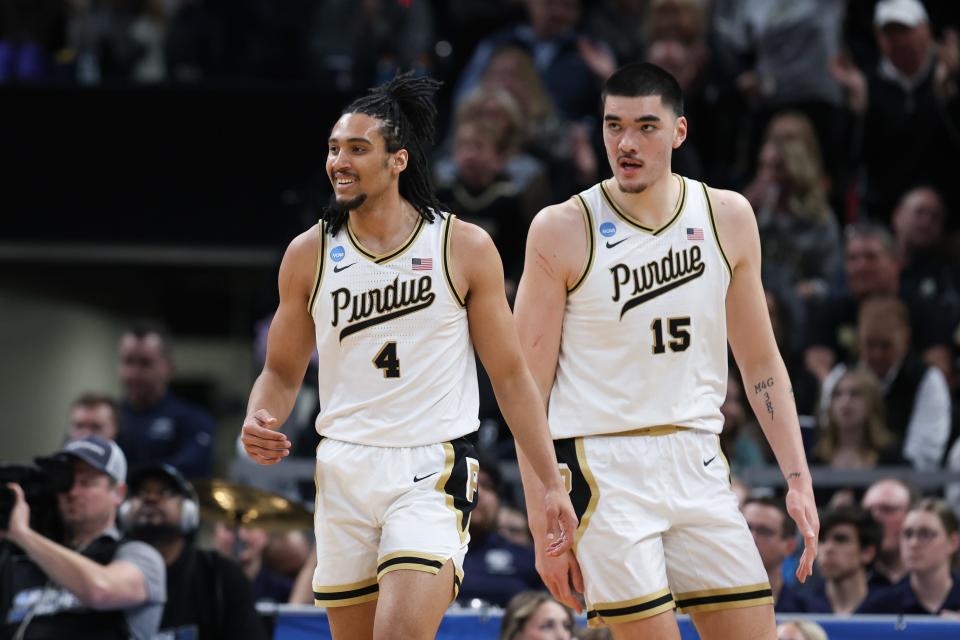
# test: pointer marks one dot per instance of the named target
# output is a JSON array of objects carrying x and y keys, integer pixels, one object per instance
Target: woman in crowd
[
  {"x": 534, "y": 615},
  {"x": 854, "y": 433}
]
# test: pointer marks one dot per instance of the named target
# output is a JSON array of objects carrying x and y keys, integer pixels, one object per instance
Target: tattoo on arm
[
  {"x": 795, "y": 474},
  {"x": 764, "y": 387}
]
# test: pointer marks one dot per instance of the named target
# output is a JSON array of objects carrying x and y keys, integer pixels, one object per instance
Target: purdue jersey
[
  {"x": 396, "y": 364},
  {"x": 644, "y": 339}
]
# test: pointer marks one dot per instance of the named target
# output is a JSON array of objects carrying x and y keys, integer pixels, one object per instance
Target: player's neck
[
  {"x": 384, "y": 224},
  {"x": 653, "y": 207}
]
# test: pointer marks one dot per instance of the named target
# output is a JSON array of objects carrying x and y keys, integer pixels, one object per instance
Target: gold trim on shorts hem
[
  {"x": 751, "y": 595},
  {"x": 343, "y": 595},
  {"x": 412, "y": 560},
  {"x": 646, "y": 606}
]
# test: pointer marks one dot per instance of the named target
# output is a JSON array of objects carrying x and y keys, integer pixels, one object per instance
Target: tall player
[
  {"x": 395, "y": 295},
  {"x": 629, "y": 294}
]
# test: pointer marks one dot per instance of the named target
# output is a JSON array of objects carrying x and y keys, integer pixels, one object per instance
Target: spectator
[
  {"x": 907, "y": 103},
  {"x": 799, "y": 234},
  {"x": 619, "y": 23},
  {"x": 208, "y": 595},
  {"x": 512, "y": 525},
  {"x": 801, "y": 630},
  {"x": 849, "y": 539},
  {"x": 534, "y": 615},
  {"x": 888, "y": 501},
  {"x": 94, "y": 414},
  {"x": 872, "y": 269},
  {"x": 854, "y": 433},
  {"x": 158, "y": 427},
  {"x": 482, "y": 193},
  {"x": 571, "y": 67},
  {"x": 916, "y": 395},
  {"x": 928, "y": 544},
  {"x": 775, "y": 533},
  {"x": 246, "y": 545},
  {"x": 497, "y": 569},
  {"x": 93, "y": 583},
  {"x": 928, "y": 270}
]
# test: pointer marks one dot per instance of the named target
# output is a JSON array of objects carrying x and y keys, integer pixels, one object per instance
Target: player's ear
[
  {"x": 679, "y": 132},
  {"x": 400, "y": 159}
]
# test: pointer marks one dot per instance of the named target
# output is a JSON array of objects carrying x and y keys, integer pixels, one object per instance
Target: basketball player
[
  {"x": 642, "y": 278},
  {"x": 395, "y": 295}
]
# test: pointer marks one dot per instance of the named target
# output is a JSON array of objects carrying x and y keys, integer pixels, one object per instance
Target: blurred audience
[
  {"x": 800, "y": 630},
  {"x": 854, "y": 434},
  {"x": 158, "y": 427},
  {"x": 928, "y": 268},
  {"x": 775, "y": 533},
  {"x": 512, "y": 525},
  {"x": 94, "y": 414},
  {"x": 208, "y": 596},
  {"x": 849, "y": 539},
  {"x": 888, "y": 500},
  {"x": 535, "y": 615},
  {"x": 741, "y": 440},
  {"x": 915, "y": 395},
  {"x": 246, "y": 545},
  {"x": 928, "y": 544}
]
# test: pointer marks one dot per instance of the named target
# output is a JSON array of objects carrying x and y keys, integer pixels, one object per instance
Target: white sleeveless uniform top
[
  {"x": 396, "y": 364},
  {"x": 644, "y": 339}
]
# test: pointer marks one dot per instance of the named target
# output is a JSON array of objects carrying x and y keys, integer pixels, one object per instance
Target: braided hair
[{"x": 405, "y": 107}]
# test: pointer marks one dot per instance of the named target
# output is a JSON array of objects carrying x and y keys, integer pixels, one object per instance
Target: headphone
[{"x": 189, "y": 505}]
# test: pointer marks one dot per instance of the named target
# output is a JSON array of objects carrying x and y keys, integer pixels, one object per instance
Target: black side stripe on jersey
[
  {"x": 713, "y": 225},
  {"x": 372, "y": 322},
  {"x": 591, "y": 245},
  {"x": 448, "y": 225},
  {"x": 318, "y": 276},
  {"x": 584, "y": 492}
]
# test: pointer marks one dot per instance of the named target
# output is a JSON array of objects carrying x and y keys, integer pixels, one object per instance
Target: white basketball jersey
[
  {"x": 396, "y": 363},
  {"x": 644, "y": 339}
]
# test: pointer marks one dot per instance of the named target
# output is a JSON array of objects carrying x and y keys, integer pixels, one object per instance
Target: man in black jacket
[{"x": 208, "y": 595}]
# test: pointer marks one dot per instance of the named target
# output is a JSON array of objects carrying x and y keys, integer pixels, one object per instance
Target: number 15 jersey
[
  {"x": 644, "y": 339},
  {"x": 396, "y": 364}
]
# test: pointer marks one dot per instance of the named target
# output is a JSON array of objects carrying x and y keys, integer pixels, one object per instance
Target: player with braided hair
[{"x": 395, "y": 294}]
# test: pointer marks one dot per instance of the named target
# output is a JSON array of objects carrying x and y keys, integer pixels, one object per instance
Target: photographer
[
  {"x": 95, "y": 584},
  {"x": 210, "y": 597}
]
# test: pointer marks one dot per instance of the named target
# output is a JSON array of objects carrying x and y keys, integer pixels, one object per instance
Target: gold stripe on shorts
[
  {"x": 659, "y": 430},
  {"x": 342, "y": 595},
  {"x": 629, "y": 610},
  {"x": 412, "y": 560},
  {"x": 750, "y": 595}
]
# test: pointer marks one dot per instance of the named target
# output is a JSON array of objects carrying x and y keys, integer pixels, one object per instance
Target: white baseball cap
[
  {"x": 906, "y": 12},
  {"x": 101, "y": 454}
]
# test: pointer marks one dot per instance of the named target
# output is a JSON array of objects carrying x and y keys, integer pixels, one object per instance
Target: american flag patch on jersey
[
  {"x": 694, "y": 233},
  {"x": 422, "y": 264}
]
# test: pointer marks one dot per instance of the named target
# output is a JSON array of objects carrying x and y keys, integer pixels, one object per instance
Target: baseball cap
[
  {"x": 907, "y": 12},
  {"x": 101, "y": 454},
  {"x": 167, "y": 473}
]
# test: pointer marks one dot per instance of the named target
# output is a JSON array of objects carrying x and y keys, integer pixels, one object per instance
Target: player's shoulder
[
  {"x": 304, "y": 248},
  {"x": 468, "y": 238},
  {"x": 558, "y": 221},
  {"x": 729, "y": 207}
]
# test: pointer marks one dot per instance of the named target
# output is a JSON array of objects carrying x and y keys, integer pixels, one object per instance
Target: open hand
[{"x": 803, "y": 510}]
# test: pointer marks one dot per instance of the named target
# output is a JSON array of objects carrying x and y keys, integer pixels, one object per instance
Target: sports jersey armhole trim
[
  {"x": 713, "y": 226},
  {"x": 318, "y": 273},
  {"x": 447, "y": 227},
  {"x": 591, "y": 245}
]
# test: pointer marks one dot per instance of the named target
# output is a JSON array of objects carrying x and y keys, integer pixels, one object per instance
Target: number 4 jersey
[
  {"x": 644, "y": 339},
  {"x": 396, "y": 366}
]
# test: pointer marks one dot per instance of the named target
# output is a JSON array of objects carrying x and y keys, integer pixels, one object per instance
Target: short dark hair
[
  {"x": 789, "y": 528},
  {"x": 143, "y": 327},
  {"x": 91, "y": 399},
  {"x": 869, "y": 531},
  {"x": 639, "y": 79}
]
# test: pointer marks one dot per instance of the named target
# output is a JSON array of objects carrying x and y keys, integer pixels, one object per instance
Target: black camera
[{"x": 41, "y": 482}]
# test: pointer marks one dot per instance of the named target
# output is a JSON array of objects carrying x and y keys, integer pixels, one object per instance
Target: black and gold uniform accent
[
  {"x": 318, "y": 274},
  {"x": 458, "y": 481},
  {"x": 751, "y": 595},
  {"x": 629, "y": 610},
  {"x": 591, "y": 244},
  {"x": 447, "y": 233},
  {"x": 382, "y": 259},
  {"x": 623, "y": 215},
  {"x": 584, "y": 493},
  {"x": 417, "y": 561},
  {"x": 346, "y": 594}
]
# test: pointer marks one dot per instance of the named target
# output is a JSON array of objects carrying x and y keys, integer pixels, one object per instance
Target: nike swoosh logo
[
  {"x": 337, "y": 268},
  {"x": 419, "y": 478},
  {"x": 611, "y": 245},
  {"x": 707, "y": 462}
]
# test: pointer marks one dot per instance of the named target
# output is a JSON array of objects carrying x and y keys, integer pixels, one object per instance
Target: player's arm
[
  {"x": 555, "y": 255},
  {"x": 765, "y": 378},
  {"x": 494, "y": 336},
  {"x": 290, "y": 344}
]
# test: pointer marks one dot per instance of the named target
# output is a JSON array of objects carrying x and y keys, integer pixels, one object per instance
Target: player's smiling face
[
  {"x": 358, "y": 163},
  {"x": 640, "y": 134}
]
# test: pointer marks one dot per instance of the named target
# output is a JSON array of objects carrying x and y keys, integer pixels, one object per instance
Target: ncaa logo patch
[
  {"x": 337, "y": 253},
  {"x": 608, "y": 229}
]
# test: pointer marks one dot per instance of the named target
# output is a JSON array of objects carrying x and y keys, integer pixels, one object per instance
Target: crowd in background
[{"x": 840, "y": 123}]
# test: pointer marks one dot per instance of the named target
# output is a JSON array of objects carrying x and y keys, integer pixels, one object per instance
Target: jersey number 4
[
  {"x": 387, "y": 360},
  {"x": 678, "y": 330}
]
